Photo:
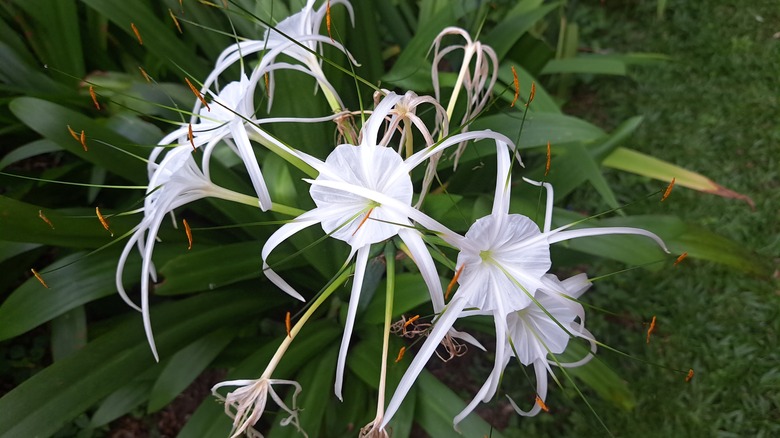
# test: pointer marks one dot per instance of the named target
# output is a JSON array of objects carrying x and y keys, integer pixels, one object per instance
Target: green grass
[{"x": 714, "y": 109}]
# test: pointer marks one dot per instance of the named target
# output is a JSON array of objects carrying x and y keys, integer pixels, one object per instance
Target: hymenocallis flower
[
  {"x": 249, "y": 402},
  {"x": 225, "y": 120},
  {"x": 478, "y": 84},
  {"x": 298, "y": 37},
  {"x": 503, "y": 260},
  {"x": 542, "y": 328},
  {"x": 175, "y": 181},
  {"x": 363, "y": 196}
]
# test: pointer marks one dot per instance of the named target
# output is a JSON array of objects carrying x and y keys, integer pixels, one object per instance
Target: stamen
[
  {"x": 192, "y": 138},
  {"x": 45, "y": 219},
  {"x": 288, "y": 324},
  {"x": 146, "y": 76},
  {"x": 533, "y": 93},
  {"x": 400, "y": 354},
  {"x": 689, "y": 376},
  {"x": 547, "y": 166},
  {"x": 364, "y": 220},
  {"x": 411, "y": 321},
  {"x": 668, "y": 191},
  {"x": 681, "y": 258},
  {"x": 188, "y": 232},
  {"x": 175, "y": 20},
  {"x": 327, "y": 19},
  {"x": 103, "y": 221},
  {"x": 267, "y": 88},
  {"x": 137, "y": 34},
  {"x": 94, "y": 97},
  {"x": 651, "y": 329},
  {"x": 452, "y": 283},
  {"x": 73, "y": 133},
  {"x": 83, "y": 140},
  {"x": 38, "y": 276},
  {"x": 197, "y": 94},
  {"x": 517, "y": 86},
  {"x": 541, "y": 404}
]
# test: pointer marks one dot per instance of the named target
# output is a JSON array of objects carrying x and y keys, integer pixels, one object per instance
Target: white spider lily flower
[
  {"x": 543, "y": 327},
  {"x": 363, "y": 195},
  {"x": 403, "y": 117},
  {"x": 503, "y": 260},
  {"x": 287, "y": 38},
  {"x": 176, "y": 180},
  {"x": 249, "y": 402},
  {"x": 225, "y": 120},
  {"x": 478, "y": 84}
]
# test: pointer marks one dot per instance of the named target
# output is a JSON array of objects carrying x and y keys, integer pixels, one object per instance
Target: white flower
[
  {"x": 287, "y": 37},
  {"x": 504, "y": 258},
  {"x": 363, "y": 195},
  {"x": 477, "y": 84},
  {"x": 175, "y": 181},
  {"x": 249, "y": 402},
  {"x": 541, "y": 328}
]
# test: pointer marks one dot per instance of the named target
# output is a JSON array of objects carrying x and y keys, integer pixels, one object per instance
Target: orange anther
[
  {"x": 287, "y": 324},
  {"x": 541, "y": 404},
  {"x": 191, "y": 137},
  {"x": 400, "y": 354},
  {"x": 137, "y": 34},
  {"x": 175, "y": 20},
  {"x": 651, "y": 329},
  {"x": 452, "y": 283},
  {"x": 73, "y": 134},
  {"x": 327, "y": 19},
  {"x": 267, "y": 87},
  {"x": 547, "y": 165},
  {"x": 668, "y": 191},
  {"x": 533, "y": 93},
  {"x": 411, "y": 321},
  {"x": 681, "y": 258},
  {"x": 188, "y": 232},
  {"x": 517, "y": 86},
  {"x": 94, "y": 97},
  {"x": 83, "y": 140},
  {"x": 363, "y": 221},
  {"x": 45, "y": 219},
  {"x": 689, "y": 376},
  {"x": 103, "y": 221},
  {"x": 197, "y": 94},
  {"x": 146, "y": 75},
  {"x": 38, "y": 276}
]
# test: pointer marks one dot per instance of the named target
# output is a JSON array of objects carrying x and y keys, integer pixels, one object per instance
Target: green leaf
[
  {"x": 68, "y": 333},
  {"x": 158, "y": 38},
  {"x": 507, "y": 32},
  {"x": 185, "y": 366},
  {"x": 629, "y": 160},
  {"x": 435, "y": 413},
  {"x": 28, "y": 150},
  {"x": 236, "y": 262},
  {"x": 74, "y": 280},
  {"x": 20, "y": 222},
  {"x": 590, "y": 64},
  {"x": 124, "y": 399},
  {"x": 51, "y": 121},
  {"x": 410, "y": 292},
  {"x": 539, "y": 128},
  {"x": 598, "y": 376},
  {"x": 43, "y": 403}
]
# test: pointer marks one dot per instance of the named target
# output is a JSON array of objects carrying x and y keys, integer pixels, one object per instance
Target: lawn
[{"x": 714, "y": 108}]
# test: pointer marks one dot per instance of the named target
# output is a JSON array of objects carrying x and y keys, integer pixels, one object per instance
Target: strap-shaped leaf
[{"x": 42, "y": 404}]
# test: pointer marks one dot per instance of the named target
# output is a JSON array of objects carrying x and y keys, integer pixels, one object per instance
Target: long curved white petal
[{"x": 354, "y": 300}]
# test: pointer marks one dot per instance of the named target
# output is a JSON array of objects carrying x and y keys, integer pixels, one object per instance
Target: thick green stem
[
  {"x": 301, "y": 322},
  {"x": 390, "y": 293}
]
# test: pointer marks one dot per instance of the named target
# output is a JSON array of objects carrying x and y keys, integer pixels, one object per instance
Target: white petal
[{"x": 354, "y": 300}]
